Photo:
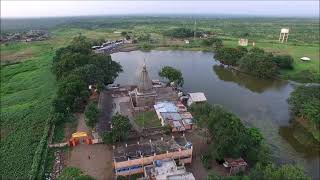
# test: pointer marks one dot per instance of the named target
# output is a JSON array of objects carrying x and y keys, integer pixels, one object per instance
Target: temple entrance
[{"x": 80, "y": 138}]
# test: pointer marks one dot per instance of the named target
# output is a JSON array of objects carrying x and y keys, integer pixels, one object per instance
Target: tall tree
[
  {"x": 172, "y": 74},
  {"x": 120, "y": 127},
  {"x": 91, "y": 114}
]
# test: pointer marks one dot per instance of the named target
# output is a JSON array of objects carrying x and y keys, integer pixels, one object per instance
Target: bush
[{"x": 283, "y": 61}]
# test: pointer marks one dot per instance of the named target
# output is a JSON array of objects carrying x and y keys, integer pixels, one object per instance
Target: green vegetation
[
  {"x": 305, "y": 102},
  {"x": 74, "y": 174},
  {"x": 91, "y": 112},
  {"x": 120, "y": 129},
  {"x": 226, "y": 130},
  {"x": 147, "y": 119},
  {"x": 76, "y": 67},
  {"x": 214, "y": 176},
  {"x": 179, "y": 33},
  {"x": 258, "y": 63},
  {"x": 283, "y": 61},
  {"x": 27, "y": 90},
  {"x": 274, "y": 172},
  {"x": 173, "y": 75},
  {"x": 214, "y": 42},
  {"x": 230, "y": 56},
  {"x": 269, "y": 172}
]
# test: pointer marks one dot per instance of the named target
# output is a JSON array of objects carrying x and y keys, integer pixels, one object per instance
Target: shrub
[{"x": 283, "y": 61}]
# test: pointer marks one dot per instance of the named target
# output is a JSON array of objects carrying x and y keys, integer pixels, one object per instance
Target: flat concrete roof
[{"x": 147, "y": 148}]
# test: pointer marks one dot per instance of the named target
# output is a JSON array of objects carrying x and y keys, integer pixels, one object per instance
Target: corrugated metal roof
[
  {"x": 165, "y": 107},
  {"x": 171, "y": 116}
]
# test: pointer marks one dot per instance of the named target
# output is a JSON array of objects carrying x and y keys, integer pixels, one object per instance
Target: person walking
[{"x": 89, "y": 157}]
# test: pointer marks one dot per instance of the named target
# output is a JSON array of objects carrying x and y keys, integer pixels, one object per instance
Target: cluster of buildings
[
  {"x": 175, "y": 115},
  {"x": 163, "y": 158},
  {"x": 32, "y": 35},
  {"x": 154, "y": 158}
]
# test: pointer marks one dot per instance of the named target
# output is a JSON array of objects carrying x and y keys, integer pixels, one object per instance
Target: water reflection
[{"x": 253, "y": 84}]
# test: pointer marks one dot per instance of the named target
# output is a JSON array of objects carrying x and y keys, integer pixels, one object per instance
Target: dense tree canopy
[
  {"x": 273, "y": 172},
  {"x": 179, "y": 33},
  {"x": 305, "y": 102},
  {"x": 120, "y": 127},
  {"x": 284, "y": 61},
  {"x": 259, "y": 64},
  {"x": 226, "y": 131},
  {"x": 212, "y": 41},
  {"x": 230, "y": 56},
  {"x": 91, "y": 114},
  {"x": 172, "y": 74},
  {"x": 76, "y": 67}
]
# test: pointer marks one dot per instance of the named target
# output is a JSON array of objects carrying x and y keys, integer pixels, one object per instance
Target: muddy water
[{"x": 259, "y": 103}]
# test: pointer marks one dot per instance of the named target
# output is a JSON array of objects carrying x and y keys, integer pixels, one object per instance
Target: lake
[{"x": 258, "y": 102}]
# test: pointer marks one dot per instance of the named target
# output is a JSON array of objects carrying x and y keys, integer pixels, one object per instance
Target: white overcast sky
[{"x": 83, "y": 8}]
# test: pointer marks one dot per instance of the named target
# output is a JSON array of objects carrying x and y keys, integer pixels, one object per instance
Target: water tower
[{"x": 284, "y": 33}]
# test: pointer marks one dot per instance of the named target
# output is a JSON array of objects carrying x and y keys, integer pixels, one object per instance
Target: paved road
[{"x": 105, "y": 107}]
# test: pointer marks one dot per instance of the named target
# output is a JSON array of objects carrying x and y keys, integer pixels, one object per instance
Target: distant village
[{"x": 28, "y": 36}]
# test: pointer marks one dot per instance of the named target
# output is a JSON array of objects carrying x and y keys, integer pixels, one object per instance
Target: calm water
[{"x": 259, "y": 103}]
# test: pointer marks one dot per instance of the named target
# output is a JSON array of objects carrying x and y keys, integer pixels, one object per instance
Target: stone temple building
[{"x": 144, "y": 95}]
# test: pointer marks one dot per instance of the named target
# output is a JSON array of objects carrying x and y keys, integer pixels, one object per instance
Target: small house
[
  {"x": 197, "y": 97},
  {"x": 186, "y": 41},
  {"x": 243, "y": 42},
  {"x": 235, "y": 165}
]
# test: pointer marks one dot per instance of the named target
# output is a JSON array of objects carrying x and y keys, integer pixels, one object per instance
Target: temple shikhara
[{"x": 144, "y": 95}]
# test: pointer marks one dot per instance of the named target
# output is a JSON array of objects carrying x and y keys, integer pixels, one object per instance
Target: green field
[
  {"x": 147, "y": 119},
  {"x": 26, "y": 92}
]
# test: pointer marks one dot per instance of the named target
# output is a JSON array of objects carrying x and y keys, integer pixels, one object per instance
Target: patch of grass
[{"x": 147, "y": 119}]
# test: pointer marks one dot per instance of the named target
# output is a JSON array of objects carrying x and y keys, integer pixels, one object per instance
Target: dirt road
[{"x": 94, "y": 160}]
